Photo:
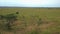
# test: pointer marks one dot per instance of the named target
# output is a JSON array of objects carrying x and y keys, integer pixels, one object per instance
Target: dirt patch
[{"x": 46, "y": 26}]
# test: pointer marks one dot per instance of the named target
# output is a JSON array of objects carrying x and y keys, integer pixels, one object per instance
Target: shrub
[
  {"x": 10, "y": 17},
  {"x": 39, "y": 21},
  {"x": 1, "y": 17},
  {"x": 17, "y": 12},
  {"x": 9, "y": 20}
]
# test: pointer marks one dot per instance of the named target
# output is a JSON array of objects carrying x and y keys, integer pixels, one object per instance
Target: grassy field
[{"x": 28, "y": 20}]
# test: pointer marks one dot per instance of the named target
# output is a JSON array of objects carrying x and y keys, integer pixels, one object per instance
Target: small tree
[
  {"x": 10, "y": 20},
  {"x": 1, "y": 17}
]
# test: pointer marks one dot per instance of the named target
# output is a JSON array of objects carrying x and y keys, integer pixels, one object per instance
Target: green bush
[
  {"x": 1, "y": 17},
  {"x": 39, "y": 21},
  {"x": 10, "y": 17},
  {"x": 9, "y": 20}
]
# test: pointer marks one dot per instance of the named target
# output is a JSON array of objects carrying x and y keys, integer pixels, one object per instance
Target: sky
[{"x": 30, "y": 3}]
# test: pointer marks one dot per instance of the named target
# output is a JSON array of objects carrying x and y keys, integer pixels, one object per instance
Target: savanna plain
[{"x": 30, "y": 20}]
